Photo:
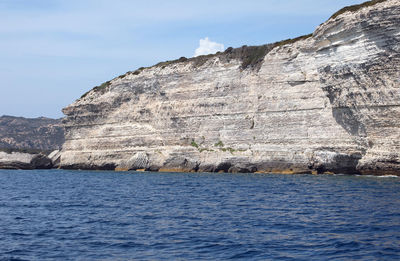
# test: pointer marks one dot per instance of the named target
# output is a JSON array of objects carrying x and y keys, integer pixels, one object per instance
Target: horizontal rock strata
[
  {"x": 328, "y": 103},
  {"x": 18, "y": 160}
]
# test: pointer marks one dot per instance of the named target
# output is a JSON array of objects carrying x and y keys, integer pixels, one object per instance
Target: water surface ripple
[{"x": 83, "y": 215}]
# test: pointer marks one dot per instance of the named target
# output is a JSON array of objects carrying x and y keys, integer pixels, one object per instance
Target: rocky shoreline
[
  {"x": 18, "y": 160},
  {"x": 28, "y": 161}
]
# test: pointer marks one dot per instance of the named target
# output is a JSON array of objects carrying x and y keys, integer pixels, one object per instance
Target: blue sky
[{"x": 53, "y": 51}]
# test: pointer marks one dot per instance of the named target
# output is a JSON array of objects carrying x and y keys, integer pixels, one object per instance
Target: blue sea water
[{"x": 89, "y": 215}]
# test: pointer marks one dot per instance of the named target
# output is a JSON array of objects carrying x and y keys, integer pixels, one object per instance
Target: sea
[{"x": 101, "y": 215}]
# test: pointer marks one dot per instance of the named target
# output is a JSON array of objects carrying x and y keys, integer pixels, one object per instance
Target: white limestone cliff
[{"x": 325, "y": 103}]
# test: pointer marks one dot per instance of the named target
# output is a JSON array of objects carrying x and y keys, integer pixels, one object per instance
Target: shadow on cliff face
[
  {"x": 350, "y": 90},
  {"x": 342, "y": 99},
  {"x": 349, "y": 120},
  {"x": 329, "y": 161},
  {"x": 347, "y": 85},
  {"x": 335, "y": 82},
  {"x": 363, "y": 94}
]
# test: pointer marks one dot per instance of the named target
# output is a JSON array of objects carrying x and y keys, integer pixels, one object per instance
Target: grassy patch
[
  {"x": 101, "y": 88},
  {"x": 291, "y": 41},
  {"x": 228, "y": 149},
  {"x": 205, "y": 149},
  {"x": 253, "y": 55},
  {"x": 354, "y": 8},
  {"x": 137, "y": 72},
  {"x": 194, "y": 144},
  {"x": 166, "y": 63},
  {"x": 219, "y": 144}
]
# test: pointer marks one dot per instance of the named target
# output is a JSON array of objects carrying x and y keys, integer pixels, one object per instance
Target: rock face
[
  {"x": 23, "y": 133},
  {"x": 325, "y": 103},
  {"x": 18, "y": 160},
  {"x": 55, "y": 158}
]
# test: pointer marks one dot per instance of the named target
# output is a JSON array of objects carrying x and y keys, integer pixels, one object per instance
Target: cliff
[
  {"x": 19, "y": 160},
  {"x": 37, "y": 134},
  {"x": 327, "y": 102}
]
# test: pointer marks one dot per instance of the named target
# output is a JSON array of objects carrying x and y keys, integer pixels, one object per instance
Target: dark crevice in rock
[
  {"x": 325, "y": 161},
  {"x": 108, "y": 166},
  {"x": 224, "y": 166},
  {"x": 343, "y": 100}
]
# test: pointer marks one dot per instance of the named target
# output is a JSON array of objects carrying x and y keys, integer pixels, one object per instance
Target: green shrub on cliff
[
  {"x": 354, "y": 8},
  {"x": 101, "y": 88},
  {"x": 291, "y": 41},
  {"x": 194, "y": 144},
  {"x": 219, "y": 144},
  {"x": 253, "y": 55}
]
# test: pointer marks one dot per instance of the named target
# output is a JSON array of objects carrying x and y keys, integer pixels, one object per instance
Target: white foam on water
[
  {"x": 382, "y": 176},
  {"x": 388, "y": 176}
]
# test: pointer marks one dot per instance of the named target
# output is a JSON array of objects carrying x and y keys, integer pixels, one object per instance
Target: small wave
[
  {"x": 128, "y": 244},
  {"x": 44, "y": 233},
  {"x": 13, "y": 259},
  {"x": 247, "y": 254},
  {"x": 388, "y": 176},
  {"x": 351, "y": 244},
  {"x": 374, "y": 176}
]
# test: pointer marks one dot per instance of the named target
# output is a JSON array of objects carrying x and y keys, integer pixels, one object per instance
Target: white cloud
[{"x": 208, "y": 47}]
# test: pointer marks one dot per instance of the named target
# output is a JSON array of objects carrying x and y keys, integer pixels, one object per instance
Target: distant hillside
[{"x": 41, "y": 134}]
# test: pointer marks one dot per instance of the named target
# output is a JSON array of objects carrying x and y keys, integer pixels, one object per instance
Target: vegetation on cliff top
[
  {"x": 354, "y": 8},
  {"x": 250, "y": 56},
  {"x": 101, "y": 88}
]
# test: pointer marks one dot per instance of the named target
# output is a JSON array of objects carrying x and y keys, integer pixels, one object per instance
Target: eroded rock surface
[
  {"x": 327, "y": 103},
  {"x": 18, "y": 160}
]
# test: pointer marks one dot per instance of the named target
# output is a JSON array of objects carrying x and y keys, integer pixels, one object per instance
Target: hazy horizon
[{"x": 51, "y": 52}]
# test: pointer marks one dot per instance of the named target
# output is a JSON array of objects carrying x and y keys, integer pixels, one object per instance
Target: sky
[{"x": 53, "y": 51}]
